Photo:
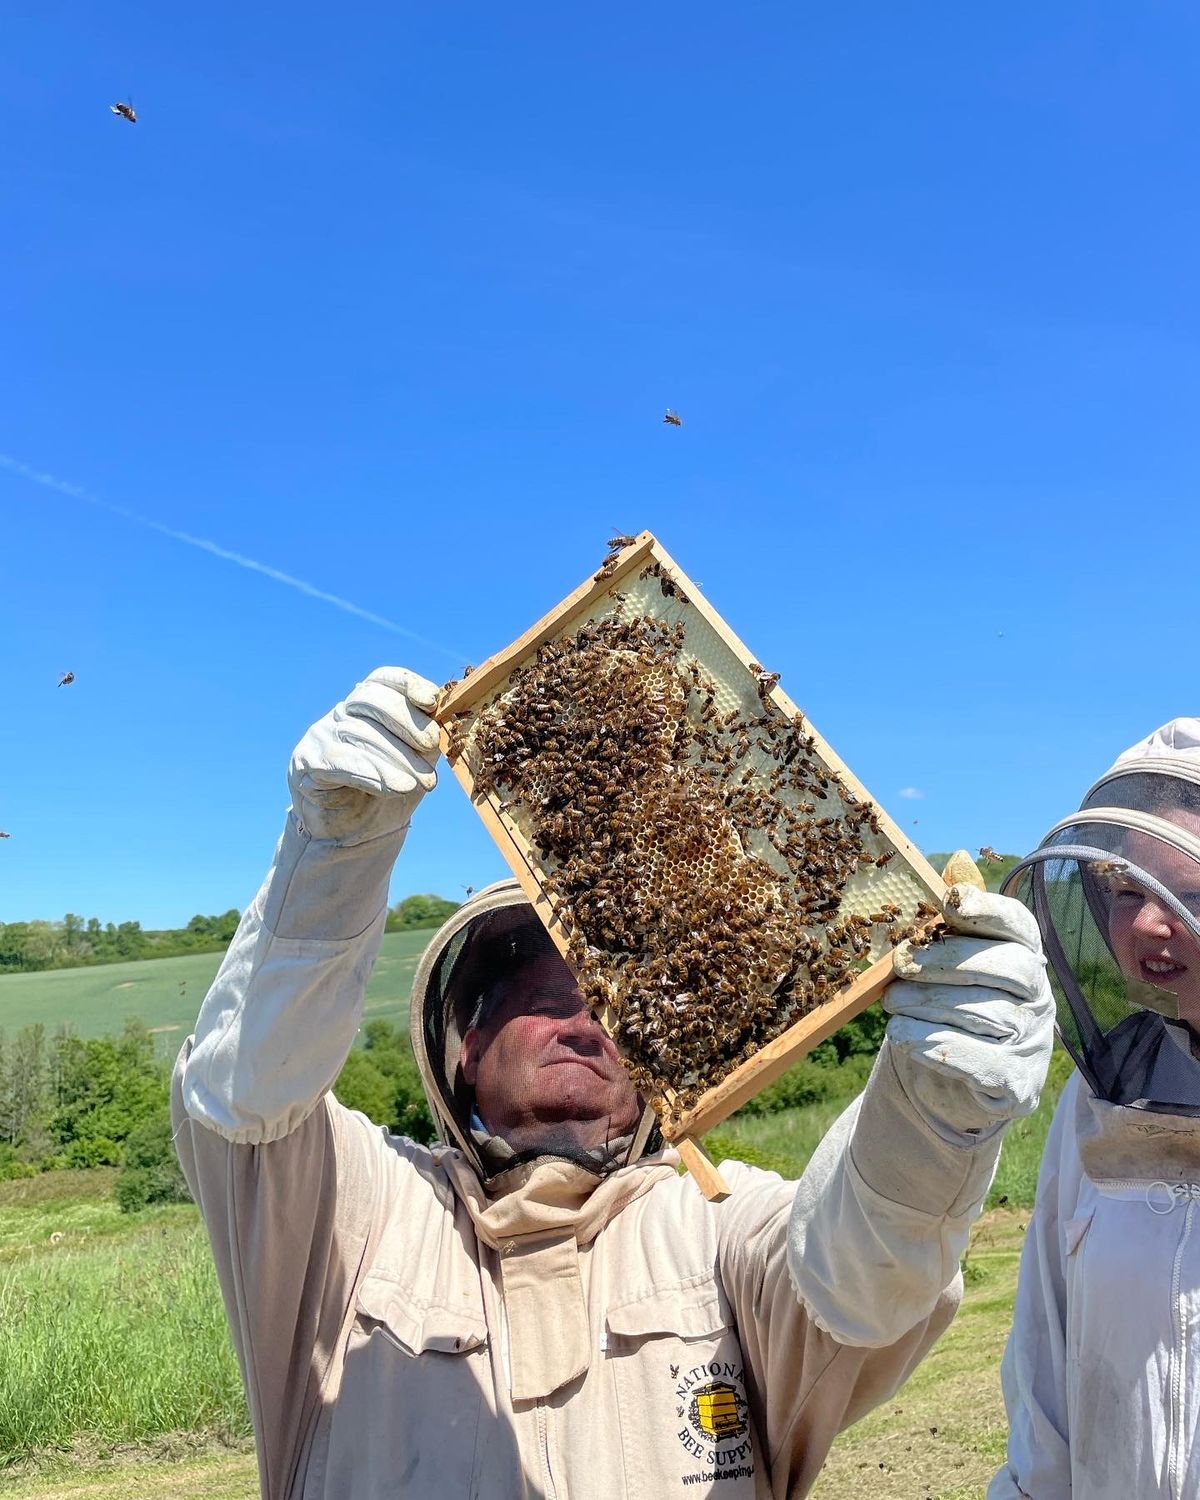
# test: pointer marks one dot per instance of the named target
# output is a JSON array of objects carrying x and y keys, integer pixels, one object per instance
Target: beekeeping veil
[
  {"x": 1128, "y": 1011},
  {"x": 491, "y": 934}
]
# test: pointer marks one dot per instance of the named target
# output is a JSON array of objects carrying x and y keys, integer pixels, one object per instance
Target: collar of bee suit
[{"x": 547, "y": 1211}]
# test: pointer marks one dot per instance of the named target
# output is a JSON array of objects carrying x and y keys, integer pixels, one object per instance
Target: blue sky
[{"x": 391, "y": 299}]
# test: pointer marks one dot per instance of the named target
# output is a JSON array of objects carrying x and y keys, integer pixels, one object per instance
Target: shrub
[
  {"x": 382, "y": 1080},
  {"x": 810, "y": 1082},
  {"x": 151, "y": 1173}
]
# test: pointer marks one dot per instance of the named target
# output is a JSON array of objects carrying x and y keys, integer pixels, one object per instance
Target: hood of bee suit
[
  {"x": 453, "y": 972},
  {"x": 1115, "y": 888}
]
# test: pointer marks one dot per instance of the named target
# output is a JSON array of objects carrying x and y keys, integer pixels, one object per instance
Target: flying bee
[
  {"x": 4, "y": 835},
  {"x": 987, "y": 852},
  {"x": 615, "y": 543},
  {"x": 672, "y": 418},
  {"x": 126, "y": 111},
  {"x": 66, "y": 679}
]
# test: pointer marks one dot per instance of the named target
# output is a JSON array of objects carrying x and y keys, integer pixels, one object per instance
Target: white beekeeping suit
[{"x": 1102, "y": 1371}]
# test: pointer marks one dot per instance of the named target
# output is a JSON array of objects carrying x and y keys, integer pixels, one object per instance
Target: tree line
[{"x": 76, "y": 941}]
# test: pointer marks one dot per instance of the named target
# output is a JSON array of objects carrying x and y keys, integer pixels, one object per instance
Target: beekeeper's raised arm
[
  {"x": 282, "y": 1014},
  {"x": 903, "y": 1173}
]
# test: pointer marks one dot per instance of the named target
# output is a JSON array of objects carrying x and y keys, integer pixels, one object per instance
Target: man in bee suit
[
  {"x": 541, "y": 1305},
  {"x": 1101, "y": 1375}
]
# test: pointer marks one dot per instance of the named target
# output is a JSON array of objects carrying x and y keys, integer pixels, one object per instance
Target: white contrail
[{"x": 64, "y": 487}]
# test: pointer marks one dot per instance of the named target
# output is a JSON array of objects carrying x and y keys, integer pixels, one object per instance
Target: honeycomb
[{"x": 714, "y": 877}]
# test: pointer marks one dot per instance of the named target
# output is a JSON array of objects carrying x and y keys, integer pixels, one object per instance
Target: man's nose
[{"x": 580, "y": 1027}]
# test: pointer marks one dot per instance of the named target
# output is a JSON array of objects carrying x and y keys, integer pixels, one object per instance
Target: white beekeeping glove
[
  {"x": 355, "y": 778},
  {"x": 282, "y": 1013},
  {"x": 973, "y": 1017},
  {"x": 361, "y": 770}
]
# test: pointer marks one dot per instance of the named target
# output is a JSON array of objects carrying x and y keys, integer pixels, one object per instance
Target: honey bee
[
  {"x": 672, "y": 418},
  {"x": 885, "y": 859},
  {"x": 4, "y": 835},
  {"x": 126, "y": 111},
  {"x": 615, "y": 543},
  {"x": 987, "y": 852},
  {"x": 66, "y": 679}
]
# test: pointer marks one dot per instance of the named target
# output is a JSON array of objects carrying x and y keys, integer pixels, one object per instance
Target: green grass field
[{"x": 166, "y": 992}]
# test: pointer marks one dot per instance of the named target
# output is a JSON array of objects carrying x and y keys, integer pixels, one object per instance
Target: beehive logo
[{"x": 717, "y": 1411}]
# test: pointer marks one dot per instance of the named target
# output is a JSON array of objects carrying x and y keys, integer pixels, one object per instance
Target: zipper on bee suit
[
  {"x": 1173, "y": 1193},
  {"x": 1178, "y": 1462}
]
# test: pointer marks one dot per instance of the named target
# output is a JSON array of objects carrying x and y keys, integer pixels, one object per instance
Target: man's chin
[{"x": 565, "y": 1137}]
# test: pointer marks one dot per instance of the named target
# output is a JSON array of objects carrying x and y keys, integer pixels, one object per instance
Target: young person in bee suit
[
  {"x": 1102, "y": 1371},
  {"x": 541, "y": 1305}
]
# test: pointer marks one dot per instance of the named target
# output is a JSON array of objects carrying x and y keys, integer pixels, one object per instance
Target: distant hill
[
  {"x": 76, "y": 942},
  {"x": 166, "y": 993}
]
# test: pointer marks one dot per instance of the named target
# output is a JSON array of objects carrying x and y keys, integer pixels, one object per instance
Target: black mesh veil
[
  {"x": 1116, "y": 893},
  {"x": 458, "y": 982}
]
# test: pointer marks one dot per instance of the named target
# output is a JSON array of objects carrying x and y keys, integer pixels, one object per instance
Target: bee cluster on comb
[{"x": 712, "y": 878}]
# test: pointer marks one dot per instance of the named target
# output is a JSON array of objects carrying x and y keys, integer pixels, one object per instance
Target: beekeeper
[
  {"x": 1102, "y": 1371},
  {"x": 541, "y": 1305}
]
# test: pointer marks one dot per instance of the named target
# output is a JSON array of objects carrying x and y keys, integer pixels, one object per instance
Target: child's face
[{"x": 1150, "y": 942}]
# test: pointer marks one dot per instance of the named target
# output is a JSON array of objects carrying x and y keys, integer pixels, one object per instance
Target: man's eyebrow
[{"x": 545, "y": 994}]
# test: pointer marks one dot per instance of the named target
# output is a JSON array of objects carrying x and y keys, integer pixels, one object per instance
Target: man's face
[
  {"x": 543, "y": 1070},
  {"x": 1149, "y": 940}
]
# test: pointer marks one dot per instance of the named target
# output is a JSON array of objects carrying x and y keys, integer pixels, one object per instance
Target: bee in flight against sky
[
  {"x": 126, "y": 111},
  {"x": 672, "y": 418},
  {"x": 4, "y": 835},
  {"x": 66, "y": 679},
  {"x": 987, "y": 852}
]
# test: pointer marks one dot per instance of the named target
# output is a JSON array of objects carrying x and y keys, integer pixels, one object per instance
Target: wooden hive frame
[{"x": 682, "y": 1128}]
